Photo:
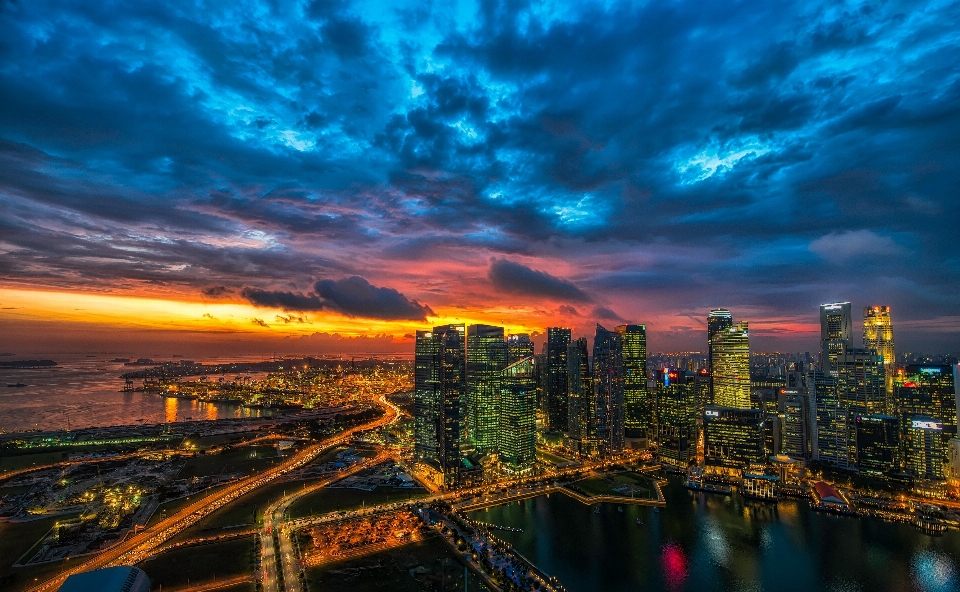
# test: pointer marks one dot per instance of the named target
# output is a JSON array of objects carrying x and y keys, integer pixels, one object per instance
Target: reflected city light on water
[
  {"x": 674, "y": 564},
  {"x": 933, "y": 571}
]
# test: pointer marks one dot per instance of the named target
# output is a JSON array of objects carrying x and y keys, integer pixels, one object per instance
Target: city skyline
[{"x": 333, "y": 178}]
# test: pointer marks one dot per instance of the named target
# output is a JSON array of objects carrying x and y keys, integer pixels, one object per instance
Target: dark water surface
[
  {"x": 84, "y": 392},
  {"x": 709, "y": 542}
]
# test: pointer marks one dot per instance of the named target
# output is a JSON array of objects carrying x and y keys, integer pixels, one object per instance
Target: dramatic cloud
[
  {"x": 668, "y": 157},
  {"x": 352, "y": 296},
  {"x": 515, "y": 278},
  {"x": 355, "y": 296}
]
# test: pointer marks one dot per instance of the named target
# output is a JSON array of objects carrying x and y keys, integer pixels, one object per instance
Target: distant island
[{"x": 28, "y": 364}]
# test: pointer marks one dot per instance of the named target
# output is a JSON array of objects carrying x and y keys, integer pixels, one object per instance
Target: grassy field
[
  {"x": 16, "y": 538},
  {"x": 606, "y": 484},
  {"x": 206, "y": 442},
  {"x": 330, "y": 500},
  {"x": 389, "y": 571},
  {"x": 171, "y": 507},
  {"x": 244, "y": 460},
  {"x": 200, "y": 563},
  {"x": 246, "y": 510}
]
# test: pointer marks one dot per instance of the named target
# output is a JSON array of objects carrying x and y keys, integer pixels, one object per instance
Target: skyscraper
[
  {"x": 581, "y": 409},
  {"x": 486, "y": 359},
  {"x": 717, "y": 320},
  {"x": 439, "y": 394},
  {"x": 926, "y": 399},
  {"x": 517, "y": 433},
  {"x": 878, "y": 335},
  {"x": 730, "y": 367},
  {"x": 860, "y": 381},
  {"x": 676, "y": 417},
  {"x": 555, "y": 348},
  {"x": 608, "y": 389},
  {"x": 836, "y": 333},
  {"x": 832, "y": 442},
  {"x": 733, "y": 439},
  {"x": 638, "y": 403},
  {"x": 519, "y": 347}
]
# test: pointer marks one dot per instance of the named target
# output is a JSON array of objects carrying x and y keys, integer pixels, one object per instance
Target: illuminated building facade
[
  {"x": 608, "y": 389},
  {"x": 718, "y": 320},
  {"x": 928, "y": 391},
  {"x": 836, "y": 333},
  {"x": 861, "y": 381},
  {"x": 832, "y": 444},
  {"x": 439, "y": 397},
  {"x": 796, "y": 425},
  {"x": 733, "y": 438},
  {"x": 638, "y": 404},
  {"x": 486, "y": 359},
  {"x": 730, "y": 367},
  {"x": 518, "y": 419},
  {"x": 519, "y": 347},
  {"x": 878, "y": 443},
  {"x": 924, "y": 450},
  {"x": 676, "y": 417},
  {"x": 581, "y": 413},
  {"x": 878, "y": 335},
  {"x": 555, "y": 384}
]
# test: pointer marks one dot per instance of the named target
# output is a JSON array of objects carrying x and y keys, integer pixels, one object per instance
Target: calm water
[
  {"x": 85, "y": 392},
  {"x": 707, "y": 542}
]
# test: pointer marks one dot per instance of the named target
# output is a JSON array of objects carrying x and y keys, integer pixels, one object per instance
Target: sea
[{"x": 85, "y": 391}]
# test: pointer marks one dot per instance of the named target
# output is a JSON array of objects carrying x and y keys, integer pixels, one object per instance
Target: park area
[{"x": 626, "y": 485}]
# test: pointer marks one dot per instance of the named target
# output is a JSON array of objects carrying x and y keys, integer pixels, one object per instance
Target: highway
[
  {"x": 137, "y": 548},
  {"x": 274, "y": 524}
]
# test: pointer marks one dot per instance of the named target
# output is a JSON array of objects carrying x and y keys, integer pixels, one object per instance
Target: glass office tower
[
  {"x": 638, "y": 403},
  {"x": 730, "y": 365},
  {"x": 518, "y": 418},
  {"x": 486, "y": 359},
  {"x": 608, "y": 389}
]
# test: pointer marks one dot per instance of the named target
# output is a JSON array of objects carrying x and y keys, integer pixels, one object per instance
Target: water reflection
[{"x": 707, "y": 543}]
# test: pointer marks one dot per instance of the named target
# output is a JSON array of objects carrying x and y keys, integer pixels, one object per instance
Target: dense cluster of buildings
[{"x": 481, "y": 397}]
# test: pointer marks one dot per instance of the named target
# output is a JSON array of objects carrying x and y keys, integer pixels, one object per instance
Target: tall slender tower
[
  {"x": 878, "y": 335},
  {"x": 439, "y": 394},
  {"x": 730, "y": 363},
  {"x": 638, "y": 403},
  {"x": 608, "y": 389},
  {"x": 558, "y": 338},
  {"x": 836, "y": 333},
  {"x": 581, "y": 409},
  {"x": 486, "y": 359},
  {"x": 517, "y": 423},
  {"x": 717, "y": 320}
]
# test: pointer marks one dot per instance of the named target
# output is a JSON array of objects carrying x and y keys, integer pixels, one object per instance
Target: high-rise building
[
  {"x": 608, "y": 389},
  {"x": 924, "y": 452},
  {"x": 836, "y": 333},
  {"x": 860, "y": 381},
  {"x": 676, "y": 423},
  {"x": 733, "y": 439},
  {"x": 439, "y": 396},
  {"x": 638, "y": 404},
  {"x": 832, "y": 443},
  {"x": 555, "y": 348},
  {"x": 486, "y": 359},
  {"x": 878, "y": 335},
  {"x": 795, "y": 425},
  {"x": 927, "y": 393},
  {"x": 518, "y": 419},
  {"x": 730, "y": 367},
  {"x": 581, "y": 412},
  {"x": 718, "y": 320},
  {"x": 519, "y": 347},
  {"x": 878, "y": 442}
]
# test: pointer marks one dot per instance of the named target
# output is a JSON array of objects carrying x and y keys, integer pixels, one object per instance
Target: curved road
[{"x": 140, "y": 546}]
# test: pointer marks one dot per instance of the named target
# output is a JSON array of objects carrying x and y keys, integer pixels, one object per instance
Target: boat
[
  {"x": 620, "y": 508},
  {"x": 596, "y": 510},
  {"x": 656, "y": 509},
  {"x": 639, "y": 522},
  {"x": 17, "y": 385}
]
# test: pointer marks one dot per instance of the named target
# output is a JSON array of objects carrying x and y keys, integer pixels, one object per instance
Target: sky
[{"x": 333, "y": 176}]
